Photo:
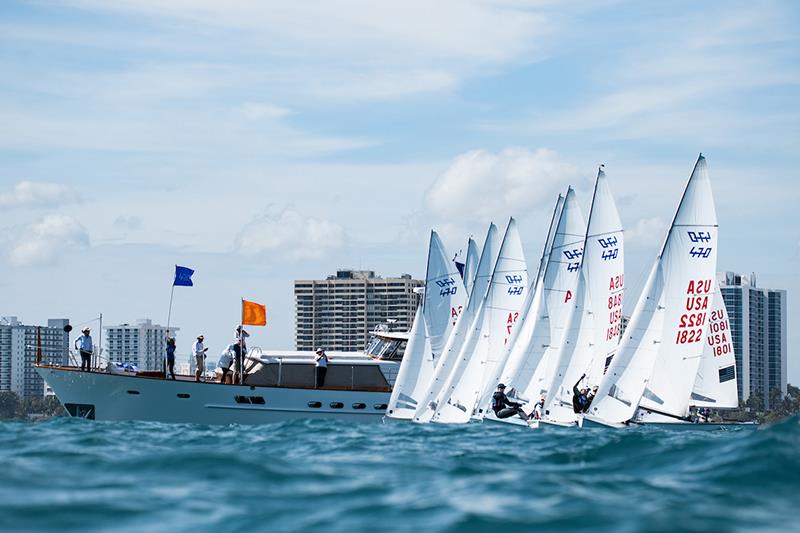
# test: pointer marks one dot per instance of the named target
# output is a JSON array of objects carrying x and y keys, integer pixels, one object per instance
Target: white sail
[
  {"x": 657, "y": 360},
  {"x": 470, "y": 264},
  {"x": 479, "y": 357},
  {"x": 715, "y": 385},
  {"x": 594, "y": 324},
  {"x": 416, "y": 371},
  {"x": 444, "y": 296},
  {"x": 518, "y": 345},
  {"x": 491, "y": 247},
  {"x": 537, "y": 370}
]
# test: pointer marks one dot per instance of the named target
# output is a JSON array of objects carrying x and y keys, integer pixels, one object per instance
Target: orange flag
[{"x": 253, "y": 314}]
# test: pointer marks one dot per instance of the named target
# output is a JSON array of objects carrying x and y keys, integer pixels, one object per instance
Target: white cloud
[
  {"x": 647, "y": 231},
  {"x": 128, "y": 222},
  {"x": 290, "y": 234},
  {"x": 45, "y": 241},
  {"x": 37, "y": 194},
  {"x": 481, "y": 186}
]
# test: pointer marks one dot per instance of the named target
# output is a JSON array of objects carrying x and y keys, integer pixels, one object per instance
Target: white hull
[
  {"x": 103, "y": 396},
  {"x": 701, "y": 426}
]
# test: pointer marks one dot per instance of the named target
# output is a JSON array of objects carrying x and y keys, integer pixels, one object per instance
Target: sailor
[
  {"x": 503, "y": 407},
  {"x": 199, "y": 352},
  {"x": 321, "y": 363},
  {"x": 538, "y": 410},
  {"x": 589, "y": 397},
  {"x": 84, "y": 345},
  {"x": 579, "y": 400},
  {"x": 171, "y": 357}
]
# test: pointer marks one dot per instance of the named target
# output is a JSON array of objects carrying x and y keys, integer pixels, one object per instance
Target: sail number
[
  {"x": 616, "y": 285},
  {"x": 718, "y": 338},
  {"x": 690, "y": 327}
]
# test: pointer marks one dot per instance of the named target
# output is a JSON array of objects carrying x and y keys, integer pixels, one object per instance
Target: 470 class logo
[
  {"x": 700, "y": 237},
  {"x": 448, "y": 286}
]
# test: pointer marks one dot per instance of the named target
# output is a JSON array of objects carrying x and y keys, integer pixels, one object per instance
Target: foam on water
[{"x": 69, "y": 474}]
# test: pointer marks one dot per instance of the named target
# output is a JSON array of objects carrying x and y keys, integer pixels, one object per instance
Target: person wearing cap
[
  {"x": 580, "y": 401},
  {"x": 199, "y": 352},
  {"x": 321, "y": 363},
  {"x": 85, "y": 346},
  {"x": 239, "y": 351},
  {"x": 171, "y": 357},
  {"x": 503, "y": 407}
]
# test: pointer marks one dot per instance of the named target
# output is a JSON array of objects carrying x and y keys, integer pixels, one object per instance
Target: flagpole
[{"x": 241, "y": 344}]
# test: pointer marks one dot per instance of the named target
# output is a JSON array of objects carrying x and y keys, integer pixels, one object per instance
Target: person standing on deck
[
  {"x": 199, "y": 352},
  {"x": 321, "y": 361},
  {"x": 171, "y": 357},
  {"x": 85, "y": 347},
  {"x": 538, "y": 410},
  {"x": 239, "y": 351}
]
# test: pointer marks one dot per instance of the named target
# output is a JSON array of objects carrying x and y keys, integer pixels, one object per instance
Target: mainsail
[
  {"x": 536, "y": 369},
  {"x": 470, "y": 265},
  {"x": 594, "y": 323},
  {"x": 449, "y": 358},
  {"x": 657, "y": 360},
  {"x": 518, "y": 345},
  {"x": 444, "y": 297},
  {"x": 416, "y": 371},
  {"x": 715, "y": 385},
  {"x": 499, "y": 312}
]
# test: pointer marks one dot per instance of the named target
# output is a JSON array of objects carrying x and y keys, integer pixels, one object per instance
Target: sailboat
[
  {"x": 442, "y": 303},
  {"x": 490, "y": 331},
  {"x": 531, "y": 368},
  {"x": 449, "y": 359},
  {"x": 658, "y": 358},
  {"x": 594, "y": 322}
]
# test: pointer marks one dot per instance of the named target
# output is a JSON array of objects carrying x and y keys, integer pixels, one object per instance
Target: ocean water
[{"x": 77, "y": 475}]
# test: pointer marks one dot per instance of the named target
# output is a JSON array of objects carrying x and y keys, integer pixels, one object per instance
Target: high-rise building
[
  {"x": 19, "y": 346},
  {"x": 340, "y": 312},
  {"x": 758, "y": 329},
  {"x": 144, "y": 344}
]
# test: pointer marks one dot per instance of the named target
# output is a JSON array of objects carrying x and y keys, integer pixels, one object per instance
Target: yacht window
[
  {"x": 380, "y": 406},
  {"x": 336, "y": 405},
  {"x": 182, "y": 395},
  {"x": 133, "y": 392},
  {"x": 315, "y": 405},
  {"x": 359, "y": 406}
]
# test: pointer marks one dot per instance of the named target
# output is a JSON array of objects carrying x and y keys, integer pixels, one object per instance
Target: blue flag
[{"x": 183, "y": 277}]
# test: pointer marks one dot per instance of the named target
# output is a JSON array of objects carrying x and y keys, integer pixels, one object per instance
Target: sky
[{"x": 261, "y": 142}]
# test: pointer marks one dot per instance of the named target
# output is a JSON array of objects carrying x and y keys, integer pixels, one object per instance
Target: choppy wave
[{"x": 69, "y": 474}]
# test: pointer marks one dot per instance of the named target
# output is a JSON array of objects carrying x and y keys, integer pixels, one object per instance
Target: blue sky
[{"x": 259, "y": 143}]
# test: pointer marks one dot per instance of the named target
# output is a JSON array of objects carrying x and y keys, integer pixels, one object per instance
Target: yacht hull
[{"x": 104, "y": 396}]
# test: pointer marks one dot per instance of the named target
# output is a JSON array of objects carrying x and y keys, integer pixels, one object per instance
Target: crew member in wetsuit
[
  {"x": 589, "y": 398},
  {"x": 538, "y": 410},
  {"x": 579, "y": 401},
  {"x": 503, "y": 407}
]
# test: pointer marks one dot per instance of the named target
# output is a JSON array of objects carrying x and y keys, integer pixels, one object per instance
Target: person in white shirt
[
  {"x": 321, "y": 361},
  {"x": 538, "y": 410},
  {"x": 84, "y": 345},
  {"x": 199, "y": 352}
]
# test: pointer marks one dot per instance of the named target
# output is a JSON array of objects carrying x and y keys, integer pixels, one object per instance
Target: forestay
[
  {"x": 478, "y": 360},
  {"x": 664, "y": 338},
  {"x": 716, "y": 385},
  {"x": 427, "y": 406},
  {"x": 594, "y": 323}
]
